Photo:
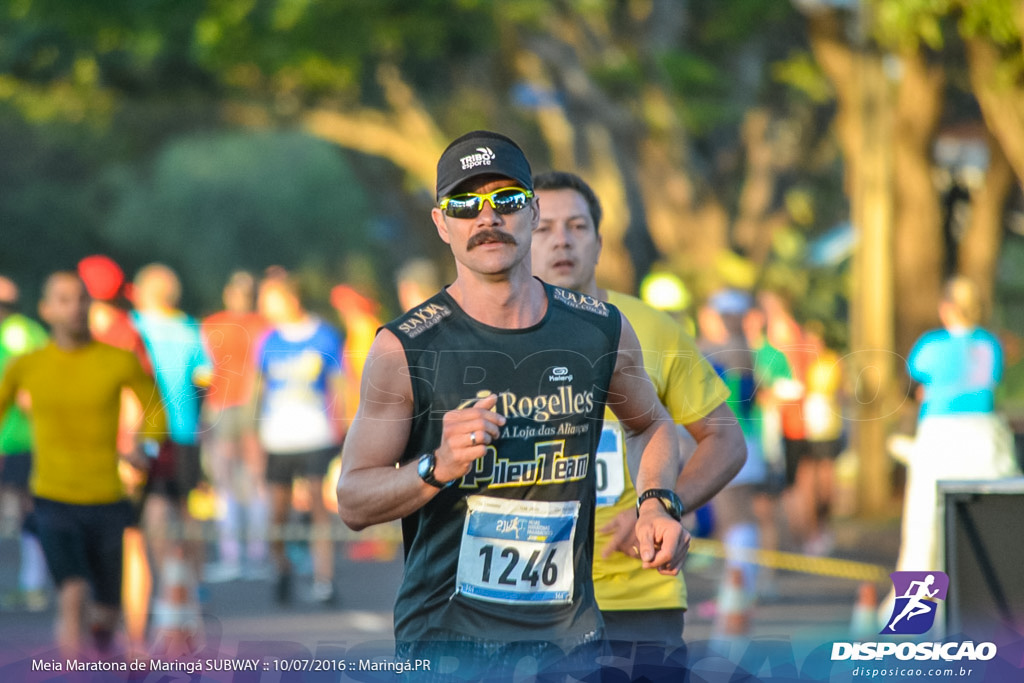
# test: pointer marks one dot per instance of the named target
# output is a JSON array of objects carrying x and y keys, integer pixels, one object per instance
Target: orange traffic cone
[
  {"x": 176, "y": 617},
  {"x": 733, "y": 615},
  {"x": 864, "y": 622}
]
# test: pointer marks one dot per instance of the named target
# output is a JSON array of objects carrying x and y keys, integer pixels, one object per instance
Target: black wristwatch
[
  {"x": 425, "y": 468},
  {"x": 668, "y": 499}
]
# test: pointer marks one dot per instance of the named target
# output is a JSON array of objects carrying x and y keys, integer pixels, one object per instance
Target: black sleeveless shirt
[{"x": 505, "y": 553}]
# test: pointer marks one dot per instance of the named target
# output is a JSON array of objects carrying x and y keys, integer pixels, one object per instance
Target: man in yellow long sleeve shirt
[
  {"x": 72, "y": 389},
  {"x": 637, "y": 605}
]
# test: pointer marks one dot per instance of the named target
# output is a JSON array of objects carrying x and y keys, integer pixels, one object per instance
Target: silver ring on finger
[{"x": 472, "y": 438}]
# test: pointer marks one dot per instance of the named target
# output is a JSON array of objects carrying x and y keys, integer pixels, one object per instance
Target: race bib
[
  {"x": 518, "y": 551},
  {"x": 610, "y": 474}
]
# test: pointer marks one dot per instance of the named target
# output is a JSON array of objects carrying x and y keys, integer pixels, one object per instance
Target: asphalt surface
[{"x": 242, "y": 616}]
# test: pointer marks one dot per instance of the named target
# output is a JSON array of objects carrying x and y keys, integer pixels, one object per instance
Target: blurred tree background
[{"x": 848, "y": 154}]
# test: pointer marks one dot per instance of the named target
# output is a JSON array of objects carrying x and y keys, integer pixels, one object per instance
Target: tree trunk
[
  {"x": 752, "y": 233},
  {"x": 1002, "y": 107},
  {"x": 919, "y": 242},
  {"x": 863, "y": 124},
  {"x": 979, "y": 248}
]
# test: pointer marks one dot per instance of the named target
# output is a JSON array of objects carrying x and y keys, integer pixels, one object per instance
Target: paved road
[{"x": 241, "y": 616}]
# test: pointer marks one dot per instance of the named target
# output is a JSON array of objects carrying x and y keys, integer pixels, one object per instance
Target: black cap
[{"x": 481, "y": 152}]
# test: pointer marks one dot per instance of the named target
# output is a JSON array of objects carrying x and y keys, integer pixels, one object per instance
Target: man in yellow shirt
[
  {"x": 637, "y": 605},
  {"x": 72, "y": 388}
]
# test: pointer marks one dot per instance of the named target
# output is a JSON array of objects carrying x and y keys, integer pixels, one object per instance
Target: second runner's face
[
  {"x": 566, "y": 245},
  {"x": 490, "y": 243}
]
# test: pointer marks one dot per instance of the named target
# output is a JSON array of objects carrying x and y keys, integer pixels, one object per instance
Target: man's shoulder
[
  {"x": 654, "y": 328},
  {"x": 982, "y": 334},
  {"x": 18, "y": 363},
  {"x": 170, "y": 325},
  {"x": 579, "y": 302},
  {"x": 419, "y": 319},
  {"x": 641, "y": 313}
]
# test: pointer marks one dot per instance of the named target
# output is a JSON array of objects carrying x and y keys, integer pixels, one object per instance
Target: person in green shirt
[{"x": 19, "y": 335}]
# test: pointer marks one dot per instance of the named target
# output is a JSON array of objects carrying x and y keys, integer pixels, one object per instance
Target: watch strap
[{"x": 668, "y": 499}]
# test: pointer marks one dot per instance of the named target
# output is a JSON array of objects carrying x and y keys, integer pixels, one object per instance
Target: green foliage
[
  {"x": 907, "y": 24},
  {"x": 298, "y": 45},
  {"x": 991, "y": 19},
  {"x": 621, "y": 77},
  {"x": 210, "y": 204},
  {"x": 47, "y": 215},
  {"x": 736, "y": 21},
  {"x": 801, "y": 72}
]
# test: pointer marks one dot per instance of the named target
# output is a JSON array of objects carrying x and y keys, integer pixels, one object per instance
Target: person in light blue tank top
[
  {"x": 959, "y": 369},
  {"x": 182, "y": 369},
  {"x": 959, "y": 434}
]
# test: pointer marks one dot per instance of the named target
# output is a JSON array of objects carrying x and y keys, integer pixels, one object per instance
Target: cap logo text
[{"x": 483, "y": 157}]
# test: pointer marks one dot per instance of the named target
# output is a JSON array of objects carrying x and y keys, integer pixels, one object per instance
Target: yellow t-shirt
[
  {"x": 823, "y": 414},
  {"x": 690, "y": 389},
  {"x": 75, "y": 405}
]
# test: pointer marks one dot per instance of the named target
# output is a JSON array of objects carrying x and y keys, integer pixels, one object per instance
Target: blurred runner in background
[
  {"x": 183, "y": 371},
  {"x": 19, "y": 335},
  {"x": 301, "y": 422},
  {"x": 721, "y": 340},
  {"x": 110, "y": 323},
  {"x": 774, "y": 385},
  {"x": 417, "y": 280},
  {"x": 959, "y": 434},
  {"x": 232, "y": 455},
  {"x": 74, "y": 387},
  {"x": 823, "y": 428}
]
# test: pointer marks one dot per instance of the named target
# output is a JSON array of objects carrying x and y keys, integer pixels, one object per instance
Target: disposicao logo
[{"x": 917, "y": 596}]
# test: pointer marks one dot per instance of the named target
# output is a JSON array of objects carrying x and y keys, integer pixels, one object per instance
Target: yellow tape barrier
[{"x": 806, "y": 564}]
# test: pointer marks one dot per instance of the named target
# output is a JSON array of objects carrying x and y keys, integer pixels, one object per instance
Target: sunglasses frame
[{"x": 486, "y": 197}]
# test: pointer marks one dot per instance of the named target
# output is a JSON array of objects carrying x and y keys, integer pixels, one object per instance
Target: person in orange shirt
[{"x": 232, "y": 454}]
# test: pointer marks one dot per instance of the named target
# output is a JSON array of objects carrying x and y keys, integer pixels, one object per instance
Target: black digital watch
[{"x": 668, "y": 499}]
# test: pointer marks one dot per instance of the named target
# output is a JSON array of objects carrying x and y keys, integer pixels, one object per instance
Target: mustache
[{"x": 489, "y": 236}]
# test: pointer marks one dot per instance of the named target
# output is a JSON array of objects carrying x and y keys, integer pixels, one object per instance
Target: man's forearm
[
  {"x": 381, "y": 494},
  {"x": 659, "y": 460},
  {"x": 718, "y": 457}
]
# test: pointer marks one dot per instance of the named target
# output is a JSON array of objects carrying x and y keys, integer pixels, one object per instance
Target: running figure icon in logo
[{"x": 917, "y": 594}]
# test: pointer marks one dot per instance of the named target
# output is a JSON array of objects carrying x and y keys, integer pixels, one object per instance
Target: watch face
[
  {"x": 672, "y": 505},
  {"x": 668, "y": 499},
  {"x": 426, "y": 466}
]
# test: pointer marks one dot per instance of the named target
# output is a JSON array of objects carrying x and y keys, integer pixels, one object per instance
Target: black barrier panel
[{"x": 984, "y": 556}]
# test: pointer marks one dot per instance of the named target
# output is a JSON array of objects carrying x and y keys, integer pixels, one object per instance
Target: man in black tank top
[{"x": 479, "y": 418}]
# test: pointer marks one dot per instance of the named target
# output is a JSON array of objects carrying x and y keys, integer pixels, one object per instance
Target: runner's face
[
  {"x": 491, "y": 243},
  {"x": 278, "y": 305},
  {"x": 566, "y": 245},
  {"x": 65, "y": 306}
]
